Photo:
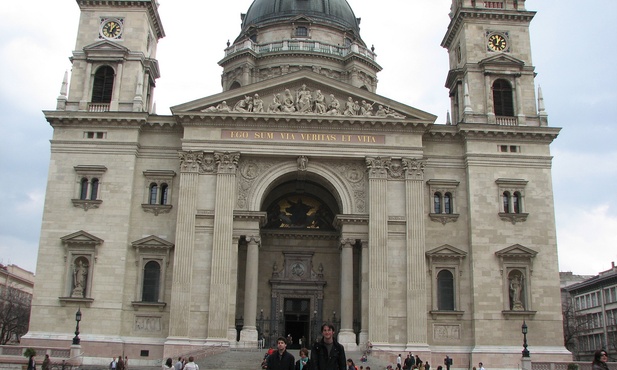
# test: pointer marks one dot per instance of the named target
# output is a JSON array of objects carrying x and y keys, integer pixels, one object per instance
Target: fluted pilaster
[
  {"x": 185, "y": 239},
  {"x": 222, "y": 245},
  {"x": 416, "y": 261},
  {"x": 378, "y": 240},
  {"x": 346, "y": 333},
  {"x": 364, "y": 300},
  {"x": 249, "y": 330}
]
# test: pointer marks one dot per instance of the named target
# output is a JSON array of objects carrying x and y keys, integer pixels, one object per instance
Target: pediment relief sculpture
[{"x": 305, "y": 101}]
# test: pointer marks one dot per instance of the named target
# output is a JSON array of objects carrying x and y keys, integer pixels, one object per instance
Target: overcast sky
[{"x": 573, "y": 51}]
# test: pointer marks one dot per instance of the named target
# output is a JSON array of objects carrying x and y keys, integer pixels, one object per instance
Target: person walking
[
  {"x": 191, "y": 365},
  {"x": 281, "y": 359},
  {"x": 328, "y": 354}
]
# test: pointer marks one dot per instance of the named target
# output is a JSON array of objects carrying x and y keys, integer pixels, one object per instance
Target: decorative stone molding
[
  {"x": 378, "y": 167},
  {"x": 137, "y": 305},
  {"x": 513, "y": 217},
  {"x": 227, "y": 162},
  {"x": 444, "y": 218},
  {"x": 86, "y": 204},
  {"x": 443, "y": 332},
  {"x": 190, "y": 161},
  {"x": 156, "y": 208},
  {"x": 395, "y": 169},
  {"x": 414, "y": 168}
]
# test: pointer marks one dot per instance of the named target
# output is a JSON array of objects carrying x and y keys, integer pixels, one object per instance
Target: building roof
[
  {"x": 338, "y": 13},
  {"x": 604, "y": 278}
]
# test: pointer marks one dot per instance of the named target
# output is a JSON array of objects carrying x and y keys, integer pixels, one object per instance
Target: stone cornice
[
  {"x": 520, "y": 133},
  {"x": 300, "y": 234},
  {"x": 61, "y": 118},
  {"x": 150, "y": 5},
  {"x": 313, "y": 122},
  {"x": 482, "y": 14}
]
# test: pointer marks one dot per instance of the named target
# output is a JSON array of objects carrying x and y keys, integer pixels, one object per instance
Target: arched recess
[{"x": 315, "y": 172}]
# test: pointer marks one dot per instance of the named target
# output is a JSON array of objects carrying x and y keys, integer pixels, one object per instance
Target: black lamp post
[
  {"x": 76, "y": 340},
  {"x": 524, "y": 330}
]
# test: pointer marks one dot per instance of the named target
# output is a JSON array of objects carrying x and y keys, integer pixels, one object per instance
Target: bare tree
[
  {"x": 573, "y": 327},
  {"x": 14, "y": 314}
]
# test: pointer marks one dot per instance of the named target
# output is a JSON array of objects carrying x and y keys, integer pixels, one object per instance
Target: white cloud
[{"x": 586, "y": 240}]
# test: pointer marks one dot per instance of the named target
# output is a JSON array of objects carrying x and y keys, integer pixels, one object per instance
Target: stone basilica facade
[{"x": 298, "y": 195}]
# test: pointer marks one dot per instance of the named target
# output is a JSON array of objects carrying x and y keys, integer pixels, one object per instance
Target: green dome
[{"x": 337, "y": 13}]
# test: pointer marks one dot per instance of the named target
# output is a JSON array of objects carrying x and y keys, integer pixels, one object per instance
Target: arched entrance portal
[{"x": 299, "y": 261}]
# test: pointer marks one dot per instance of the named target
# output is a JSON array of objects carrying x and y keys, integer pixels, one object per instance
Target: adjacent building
[
  {"x": 594, "y": 303},
  {"x": 298, "y": 195},
  {"x": 16, "y": 286}
]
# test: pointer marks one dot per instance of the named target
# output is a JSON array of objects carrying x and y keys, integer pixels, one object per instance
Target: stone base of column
[
  {"x": 248, "y": 335},
  {"x": 526, "y": 363},
  {"x": 347, "y": 338},
  {"x": 232, "y": 334},
  {"x": 363, "y": 340},
  {"x": 76, "y": 354}
]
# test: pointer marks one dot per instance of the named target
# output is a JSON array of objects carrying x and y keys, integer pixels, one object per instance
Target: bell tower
[
  {"x": 491, "y": 76},
  {"x": 114, "y": 61}
]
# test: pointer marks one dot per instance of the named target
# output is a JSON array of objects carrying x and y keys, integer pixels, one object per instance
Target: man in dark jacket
[
  {"x": 328, "y": 354},
  {"x": 281, "y": 359}
]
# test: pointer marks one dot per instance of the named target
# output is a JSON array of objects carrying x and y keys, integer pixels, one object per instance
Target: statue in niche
[
  {"x": 302, "y": 162},
  {"x": 80, "y": 277},
  {"x": 516, "y": 291}
]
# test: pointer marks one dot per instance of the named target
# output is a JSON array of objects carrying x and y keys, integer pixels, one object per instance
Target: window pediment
[
  {"x": 81, "y": 240},
  {"x": 106, "y": 51},
  {"x": 516, "y": 254},
  {"x": 446, "y": 251}
]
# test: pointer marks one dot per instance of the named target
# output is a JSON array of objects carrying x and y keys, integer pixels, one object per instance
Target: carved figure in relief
[
  {"x": 320, "y": 102},
  {"x": 244, "y": 105},
  {"x": 221, "y": 107},
  {"x": 302, "y": 162},
  {"x": 303, "y": 99},
  {"x": 258, "y": 104},
  {"x": 334, "y": 108},
  {"x": 288, "y": 102},
  {"x": 349, "y": 107},
  {"x": 276, "y": 105},
  {"x": 366, "y": 109}
]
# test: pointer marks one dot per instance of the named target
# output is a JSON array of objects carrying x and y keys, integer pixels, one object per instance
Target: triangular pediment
[
  {"x": 502, "y": 60},
  {"x": 516, "y": 251},
  {"x": 301, "y": 19},
  {"x": 446, "y": 250},
  {"x": 275, "y": 92},
  {"x": 81, "y": 238},
  {"x": 152, "y": 241},
  {"x": 105, "y": 50}
]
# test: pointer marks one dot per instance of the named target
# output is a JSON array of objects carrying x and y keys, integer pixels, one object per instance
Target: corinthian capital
[
  {"x": 227, "y": 162},
  {"x": 377, "y": 167},
  {"x": 190, "y": 161},
  {"x": 414, "y": 168}
]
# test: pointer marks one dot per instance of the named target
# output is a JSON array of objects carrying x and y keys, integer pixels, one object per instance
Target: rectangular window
[{"x": 95, "y": 135}]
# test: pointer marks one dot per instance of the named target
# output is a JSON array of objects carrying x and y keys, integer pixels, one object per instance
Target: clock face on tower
[
  {"x": 111, "y": 28},
  {"x": 497, "y": 42}
]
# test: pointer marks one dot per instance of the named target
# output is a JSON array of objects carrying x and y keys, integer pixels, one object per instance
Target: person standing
[
  {"x": 31, "y": 363},
  {"x": 178, "y": 365},
  {"x": 328, "y": 354},
  {"x": 168, "y": 364},
  {"x": 281, "y": 359},
  {"x": 303, "y": 363},
  {"x": 481, "y": 366},
  {"x": 599, "y": 360},
  {"x": 191, "y": 365},
  {"x": 45, "y": 365},
  {"x": 399, "y": 361},
  {"x": 113, "y": 365},
  {"x": 120, "y": 365}
]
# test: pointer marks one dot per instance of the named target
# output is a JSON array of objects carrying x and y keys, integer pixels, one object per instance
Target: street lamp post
[
  {"x": 524, "y": 330},
  {"x": 76, "y": 340}
]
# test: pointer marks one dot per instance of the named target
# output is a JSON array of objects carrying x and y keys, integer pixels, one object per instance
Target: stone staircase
[{"x": 250, "y": 359}]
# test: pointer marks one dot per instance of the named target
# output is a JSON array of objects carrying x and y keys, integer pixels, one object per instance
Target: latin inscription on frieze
[{"x": 301, "y": 137}]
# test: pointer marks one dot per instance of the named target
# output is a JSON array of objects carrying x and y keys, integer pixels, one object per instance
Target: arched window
[
  {"x": 164, "y": 191},
  {"x": 94, "y": 192},
  {"x": 83, "y": 191},
  {"x": 437, "y": 203},
  {"x": 506, "y": 202},
  {"x": 445, "y": 291},
  {"x": 502, "y": 98},
  {"x": 152, "y": 275},
  {"x": 447, "y": 203},
  {"x": 516, "y": 203},
  {"x": 103, "y": 85},
  {"x": 153, "y": 192}
]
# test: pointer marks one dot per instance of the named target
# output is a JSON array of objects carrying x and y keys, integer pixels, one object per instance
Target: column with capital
[
  {"x": 249, "y": 330},
  {"x": 378, "y": 240},
  {"x": 346, "y": 334},
  {"x": 364, "y": 296},
  {"x": 222, "y": 248},
  {"x": 180, "y": 314},
  {"x": 416, "y": 260}
]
